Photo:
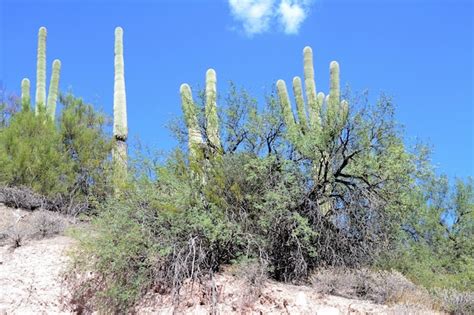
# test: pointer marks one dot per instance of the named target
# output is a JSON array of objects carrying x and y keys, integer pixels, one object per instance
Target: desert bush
[
  {"x": 46, "y": 224},
  {"x": 383, "y": 287},
  {"x": 21, "y": 197},
  {"x": 66, "y": 163},
  {"x": 455, "y": 302},
  {"x": 435, "y": 246}
]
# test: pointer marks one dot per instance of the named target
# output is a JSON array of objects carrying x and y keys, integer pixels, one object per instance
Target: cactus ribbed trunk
[
  {"x": 314, "y": 108},
  {"x": 120, "y": 129},
  {"x": 25, "y": 94},
  {"x": 286, "y": 107},
  {"x": 195, "y": 141},
  {"x": 211, "y": 109},
  {"x": 334, "y": 94},
  {"x": 53, "y": 90},
  {"x": 41, "y": 71}
]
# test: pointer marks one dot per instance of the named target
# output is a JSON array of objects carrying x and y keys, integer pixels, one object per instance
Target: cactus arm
[
  {"x": 286, "y": 106},
  {"x": 344, "y": 112},
  {"x": 41, "y": 70},
  {"x": 300, "y": 107},
  {"x": 310, "y": 86},
  {"x": 120, "y": 102},
  {"x": 25, "y": 94},
  {"x": 191, "y": 120},
  {"x": 334, "y": 90},
  {"x": 53, "y": 89},
  {"x": 212, "y": 118}
]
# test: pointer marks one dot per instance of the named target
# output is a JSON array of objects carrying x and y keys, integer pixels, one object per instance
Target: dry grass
[{"x": 382, "y": 287}]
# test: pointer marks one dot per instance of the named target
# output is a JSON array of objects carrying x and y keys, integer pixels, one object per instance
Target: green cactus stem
[
  {"x": 212, "y": 118},
  {"x": 334, "y": 93},
  {"x": 286, "y": 107},
  {"x": 314, "y": 108},
  {"x": 41, "y": 70},
  {"x": 53, "y": 89},
  {"x": 25, "y": 94},
  {"x": 120, "y": 130},
  {"x": 120, "y": 102},
  {"x": 195, "y": 140},
  {"x": 300, "y": 107}
]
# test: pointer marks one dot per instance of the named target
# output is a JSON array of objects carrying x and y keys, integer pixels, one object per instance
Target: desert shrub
[
  {"x": 45, "y": 223},
  {"x": 455, "y": 302},
  {"x": 31, "y": 155},
  {"x": 383, "y": 287},
  {"x": 66, "y": 163},
  {"x": 435, "y": 246}
]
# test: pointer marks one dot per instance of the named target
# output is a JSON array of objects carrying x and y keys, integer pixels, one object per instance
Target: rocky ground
[{"x": 31, "y": 270}]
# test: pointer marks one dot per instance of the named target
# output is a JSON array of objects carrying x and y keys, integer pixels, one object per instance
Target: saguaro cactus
[
  {"x": 325, "y": 124},
  {"x": 322, "y": 123},
  {"x": 41, "y": 70},
  {"x": 120, "y": 112},
  {"x": 196, "y": 142},
  {"x": 41, "y": 103},
  {"x": 25, "y": 94}
]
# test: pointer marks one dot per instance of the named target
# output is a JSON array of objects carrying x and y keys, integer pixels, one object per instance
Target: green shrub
[{"x": 68, "y": 162}]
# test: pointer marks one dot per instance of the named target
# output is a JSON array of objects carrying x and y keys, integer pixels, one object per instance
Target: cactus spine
[
  {"x": 25, "y": 94},
  {"x": 53, "y": 89},
  {"x": 41, "y": 70},
  {"x": 120, "y": 130}
]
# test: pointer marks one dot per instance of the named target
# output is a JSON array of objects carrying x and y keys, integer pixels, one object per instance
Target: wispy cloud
[{"x": 259, "y": 16}]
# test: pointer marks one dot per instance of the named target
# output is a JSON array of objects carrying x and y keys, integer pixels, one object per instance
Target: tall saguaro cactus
[
  {"x": 120, "y": 112},
  {"x": 325, "y": 123},
  {"x": 41, "y": 103},
  {"x": 196, "y": 142},
  {"x": 41, "y": 70}
]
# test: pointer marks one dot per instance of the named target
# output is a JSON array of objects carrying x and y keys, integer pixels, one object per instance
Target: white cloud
[
  {"x": 254, "y": 14},
  {"x": 291, "y": 15},
  {"x": 258, "y": 16}
]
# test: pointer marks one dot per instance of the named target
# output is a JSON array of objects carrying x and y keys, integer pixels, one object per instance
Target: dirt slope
[{"x": 30, "y": 283}]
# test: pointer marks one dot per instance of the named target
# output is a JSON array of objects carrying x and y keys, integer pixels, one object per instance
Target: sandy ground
[{"x": 31, "y": 283}]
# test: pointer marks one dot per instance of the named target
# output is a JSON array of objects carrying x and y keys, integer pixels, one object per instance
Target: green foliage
[
  {"x": 30, "y": 155},
  {"x": 68, "y": 163},
  {"x": 436, "y": 247}
]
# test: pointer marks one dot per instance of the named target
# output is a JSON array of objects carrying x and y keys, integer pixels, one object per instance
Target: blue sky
[{"x": 420, "y": 52}]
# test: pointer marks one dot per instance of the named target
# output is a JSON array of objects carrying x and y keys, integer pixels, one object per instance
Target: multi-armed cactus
[
  {"x": 318, "y": 125},
  {"x": 41, "y": 103},
  {"x": 196, "y": 143},
  {"x": 323, "y": 117},
  {"x": 120, "y": 113}
]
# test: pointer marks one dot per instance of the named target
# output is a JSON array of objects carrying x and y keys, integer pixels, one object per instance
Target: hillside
[{"x": 32, "y": 282}]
